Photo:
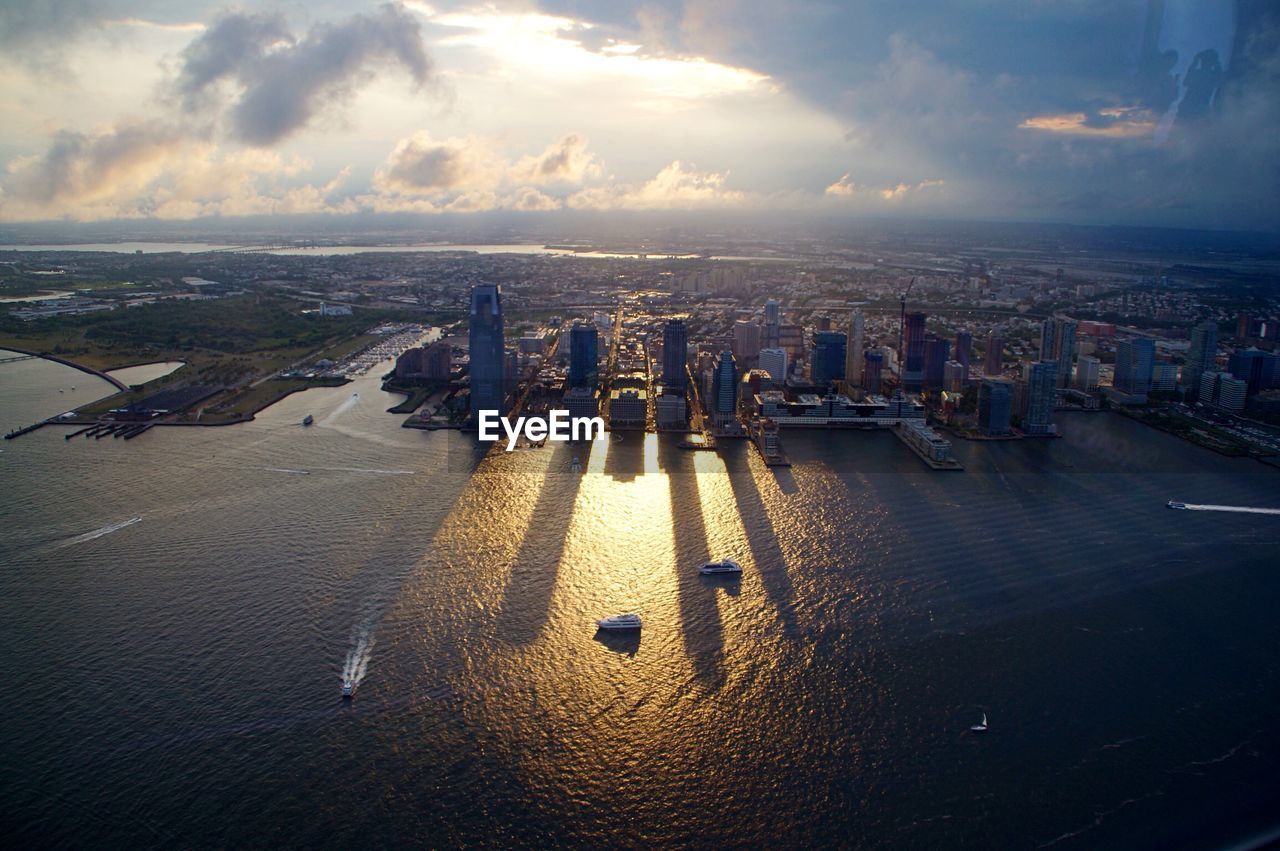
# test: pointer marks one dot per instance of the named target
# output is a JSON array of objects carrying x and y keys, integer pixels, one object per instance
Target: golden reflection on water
[{"x": 533, "y": 554}]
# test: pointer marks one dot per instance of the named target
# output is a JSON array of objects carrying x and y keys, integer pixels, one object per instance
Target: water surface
[{"x": 177, "y": 609}]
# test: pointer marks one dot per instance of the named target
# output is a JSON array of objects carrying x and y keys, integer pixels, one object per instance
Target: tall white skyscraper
[{"x": 774, "y": 362}]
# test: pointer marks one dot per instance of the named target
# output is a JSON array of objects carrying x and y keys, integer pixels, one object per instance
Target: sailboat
[{"x": 980, "y": 728}]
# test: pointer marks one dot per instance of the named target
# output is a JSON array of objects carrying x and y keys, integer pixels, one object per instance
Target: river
[{"x": 176, "y": 612}]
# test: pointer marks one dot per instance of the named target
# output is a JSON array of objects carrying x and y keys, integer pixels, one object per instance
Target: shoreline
[{"x": 117, "y": 383}]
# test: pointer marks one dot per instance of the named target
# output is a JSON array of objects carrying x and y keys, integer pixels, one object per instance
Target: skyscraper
[
  {"x": 1164, "y": 377},
  {"x": 485, "y": 334},
  {"x": 675, "y": 352},
  {"x": 995, "y": 404},
  {"x": 724, "y": 390},
  {"x": 1058, "y": 343},
  {"x": 1200, "y": 357},
  {"x": 1257, "y": 369},
  {"x": 1087, "y": 368},
  {"x": 746, "y": 341},
  {"x": 964, "y": 349},
  {"x": 772, "y": 324},
  {"x": 936, "y": 354},
  {"x": 1048, "y": 339},
  {"x": 913, "y": 364},
  {"x": 1041, "y": 381},
  {"x": 827, "y": 358},
  {"x": 953, "y": 377},
  {"x": 994, "y": 363},
  {"x": 584, "y": 355},
  {"x": 873, "y": 367},
  {"x": 774, "y": 362},
  {"x": 853, "y": 350},
  {"x": 1134, "y": 359}
]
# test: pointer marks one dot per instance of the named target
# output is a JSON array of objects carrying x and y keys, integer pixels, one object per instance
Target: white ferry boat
[{"x": 620, "y": 622}]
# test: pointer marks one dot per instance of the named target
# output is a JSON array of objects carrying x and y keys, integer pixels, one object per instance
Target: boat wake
[
  {"x": 357, "y": 664},
  {"x": 347, "y": 405},
  {"x": 1242, "y": 509},
  {"x": 287, "y": 470},
  {"x": 98, "y": 533}
]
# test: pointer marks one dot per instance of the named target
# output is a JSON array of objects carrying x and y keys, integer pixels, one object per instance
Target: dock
[{"x": 19, "y": 432}]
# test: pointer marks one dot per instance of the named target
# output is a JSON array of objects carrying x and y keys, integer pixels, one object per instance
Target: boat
[
  {"x": 308, "y": 419},
  {"x": 980, "y": 728},
  {"x": 712, "y": 568},
  {"x": 348, "y": 688},
  {"x": 1181, "y": 505},
  {"x": 628, "y": 621}
]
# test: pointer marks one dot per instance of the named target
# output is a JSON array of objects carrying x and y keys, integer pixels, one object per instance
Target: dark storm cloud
[
  {"x": 286, "y": 82},
  {"x": 234, "y": 44},
  {"x": 1025, "y": 107},
  {"x": 35, "y": 30}
]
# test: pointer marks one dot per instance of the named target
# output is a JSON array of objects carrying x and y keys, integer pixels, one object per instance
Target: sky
[{"x": 1148, "y": 112}]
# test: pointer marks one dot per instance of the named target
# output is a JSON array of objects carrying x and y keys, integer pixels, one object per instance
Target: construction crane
[{"x": 902, "y": 321}]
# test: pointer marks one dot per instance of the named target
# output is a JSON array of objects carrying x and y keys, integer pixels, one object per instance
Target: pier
[
  {"x": 19, "y": 432},
  {"x": 927, "y": 445}
]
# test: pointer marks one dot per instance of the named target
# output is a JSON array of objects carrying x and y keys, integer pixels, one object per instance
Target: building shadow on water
[
  {"x": 700, "y": 625},
  {"x": 526, "y": 601},
  {"x": 625, "y": 460},
  {"x": 761, "y": 536},
  {"x": 786, "y": 481}
]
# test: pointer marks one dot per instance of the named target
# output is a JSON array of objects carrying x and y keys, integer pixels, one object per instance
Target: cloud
[
  {"x": 842, "y": 187},
  {"x": 567, "y": 161},
  {"x": 420, "y": 165},
  {"x": 83, "y": 169},
  {"x": 846, "y": 190},
  {"x": 1110, "y": 123},
  {"x": 423, "y": 174},
  {"x": 155, "y": 170},
  {"x": 235, "y": 43},
  {"x": 30, "y": 29},
  {"x": 285, "y": 82},
  {"x": 675, "y": 187}
]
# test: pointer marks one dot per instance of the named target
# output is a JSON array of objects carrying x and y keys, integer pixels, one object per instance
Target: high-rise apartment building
[
  {"x": 872, "y": 370},
  {"x": 936, "y": 354},
  {"x": 963, "y": 352},
  {"x": 994, "y": 362},
  {"x": 675, "y": 352},
  {"x": 584, "y": 355},
  {"x": 853, "y": 350},
  {"x": 774, "y": 362},
  {"x": 1134, "y": 359},
  {"x": 1041, "y": 382},
  {"x": 913, "y": 344},
  {"x": 772, "y": 325},
  {"x": 827, "y": 358},
  {"x": 1200, "y": 356},
  {"x": 995, "y": 405}
]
